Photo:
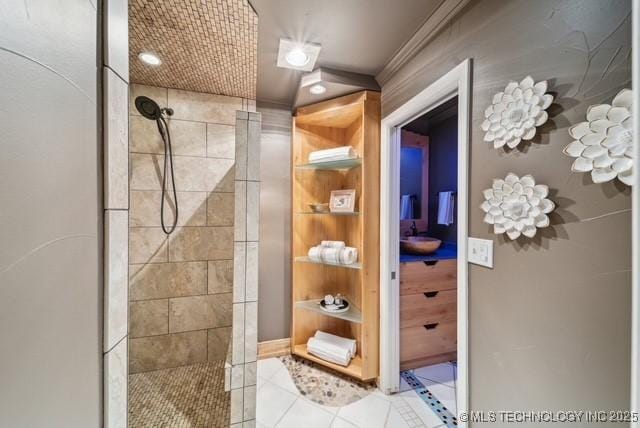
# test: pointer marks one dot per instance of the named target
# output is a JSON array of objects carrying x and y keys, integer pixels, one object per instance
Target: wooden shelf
[
  {"x": 353, "y": 369},
  {"x": 332, "y": 165},
  {"x": 349, "y": 214},
  {"x": 349, "y": 121},
  {"x": 352, "y": 315},
  {"x": 305, "y": 259}
]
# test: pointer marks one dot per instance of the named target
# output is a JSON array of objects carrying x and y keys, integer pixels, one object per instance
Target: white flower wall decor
[
  {"x": 515, "y": 113},
  {"x": 603, "y": 145},
  {"x": 517, "y": 206}
]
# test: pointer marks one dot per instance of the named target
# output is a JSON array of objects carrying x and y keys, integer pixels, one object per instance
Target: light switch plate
[{"x": 480, "y": 252}]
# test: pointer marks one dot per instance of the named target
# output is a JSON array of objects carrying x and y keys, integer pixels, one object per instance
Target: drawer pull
[
  {"x": 431, "y": 326},
  {"x": 430, "y": 262},
  {"x": 430, "y": 294}
]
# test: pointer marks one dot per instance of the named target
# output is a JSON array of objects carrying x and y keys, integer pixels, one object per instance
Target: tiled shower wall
[
  {"x": 180, "y": 286},
  {"x": 241, "y": 367},
  {"x": 115, "y": 80}
]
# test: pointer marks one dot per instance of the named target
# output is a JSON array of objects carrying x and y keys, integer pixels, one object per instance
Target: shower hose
[{"x": 163, "y": 128}]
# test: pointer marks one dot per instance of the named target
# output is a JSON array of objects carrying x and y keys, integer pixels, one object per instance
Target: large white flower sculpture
[
  {"x": 604, "y": 143},
  {"x": 517, "y": 206},
  {"x": 515, "y": 113}
]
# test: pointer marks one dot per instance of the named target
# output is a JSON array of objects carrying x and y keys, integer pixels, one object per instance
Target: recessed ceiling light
[
  {"x": 297, "y": 55},
  {"x": 149, "y": 58},
  {"x": 317, "y": 89}
]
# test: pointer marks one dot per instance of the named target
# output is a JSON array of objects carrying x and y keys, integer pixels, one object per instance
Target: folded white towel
[
  {"x": 328, "y": 352},
  {"x": 342, "y": 342},
  {"x": 332, "y": 244},
  {"x": 343, "y": 256},
  {"x": 330, "y": 159},
  {"x": 338, "y": 153},
  {"x": 342, "y": 150}
]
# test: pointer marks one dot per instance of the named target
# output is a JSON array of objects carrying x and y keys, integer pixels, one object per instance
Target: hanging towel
[
  {"x": 406, "y": 207},
  {"x": 445, "y": 208}
]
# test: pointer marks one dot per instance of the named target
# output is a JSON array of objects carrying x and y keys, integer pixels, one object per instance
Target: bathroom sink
[{"x": 419, "y": 244}]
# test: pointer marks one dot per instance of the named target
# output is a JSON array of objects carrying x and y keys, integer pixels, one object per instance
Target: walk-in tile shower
[{"x": 188, "y": 357}]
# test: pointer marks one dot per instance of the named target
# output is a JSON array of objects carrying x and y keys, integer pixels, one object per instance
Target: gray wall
[
  {"x": 50, "y": 215},
  {"x": 550, "y": 325},
  {"x": 274, "y": 310}
]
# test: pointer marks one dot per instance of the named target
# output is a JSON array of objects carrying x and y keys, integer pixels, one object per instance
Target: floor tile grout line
[
  {"x": 286, "y": 411},
  {"x": 386, "y": 419}
]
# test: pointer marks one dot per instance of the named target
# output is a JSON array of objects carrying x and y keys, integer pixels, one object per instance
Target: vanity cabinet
[{"x": 428, "y": 312}]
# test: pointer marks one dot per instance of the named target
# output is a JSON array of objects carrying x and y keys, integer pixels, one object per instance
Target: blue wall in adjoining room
[{"x": 443, "y": 174}]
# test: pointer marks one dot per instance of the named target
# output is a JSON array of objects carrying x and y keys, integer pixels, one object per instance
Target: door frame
[
  {"x": 635, "y": 218},
  {"x": 456, "y": 82}
]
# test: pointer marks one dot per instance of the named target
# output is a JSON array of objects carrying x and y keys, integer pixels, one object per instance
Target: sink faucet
[{"x": 414, "y": 229}]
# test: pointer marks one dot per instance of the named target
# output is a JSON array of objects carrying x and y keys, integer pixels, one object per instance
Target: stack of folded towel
[
  {"x": 332, "y": 348},
  {"x": 339, "y": 153},
  {"x": 334, "y": 252}
]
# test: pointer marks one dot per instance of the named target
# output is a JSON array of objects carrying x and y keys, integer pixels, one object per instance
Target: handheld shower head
[{"x": 150, "y": 109}]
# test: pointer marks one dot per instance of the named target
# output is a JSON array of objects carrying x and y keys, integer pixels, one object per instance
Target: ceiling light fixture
[
  {"x": 297, "y": 55},
  {"x": 149, "y": 58},
  {"x": 317, "y": 89}
]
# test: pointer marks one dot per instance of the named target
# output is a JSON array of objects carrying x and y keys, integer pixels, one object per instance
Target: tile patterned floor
[
  {"x": 280, "y": 404},
  {"x": 184, "y": 397}
]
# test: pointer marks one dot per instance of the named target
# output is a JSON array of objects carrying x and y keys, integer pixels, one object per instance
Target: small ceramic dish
[
  {"x": 333, "y": 308},
  {"x": 319, "y": 208}
]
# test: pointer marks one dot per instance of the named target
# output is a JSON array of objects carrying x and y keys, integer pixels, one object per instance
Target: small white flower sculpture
[
  {"x": 517, "y": 206},
  {"x": 604, "y": 143},
  {"x": 515, "y": 113}
]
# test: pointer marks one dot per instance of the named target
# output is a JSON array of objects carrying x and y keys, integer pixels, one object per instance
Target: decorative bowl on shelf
[
  {"x": 419, "y": 244},
  {"x": 319, "y": 208},
  {"x": 333, "y": 307}
]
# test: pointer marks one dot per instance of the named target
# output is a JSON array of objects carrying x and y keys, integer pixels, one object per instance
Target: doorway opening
[
  {"x": 424, "y": 229},
  {"x": 428, "y": 259}
]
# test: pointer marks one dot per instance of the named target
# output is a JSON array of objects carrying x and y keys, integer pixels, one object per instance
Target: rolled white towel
[
  {"x": 328, "y": 351},
  {"x": 348, "y": 255},
  {"x": 333, "y": 244},
  {"x": 341, "y": 256},
  {"x": 315, "y": 254},
  {"x": 331, "y": 255},
  {"x": 342, "y": 342}
]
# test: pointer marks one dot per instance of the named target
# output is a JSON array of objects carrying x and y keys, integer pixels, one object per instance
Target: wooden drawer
[
  {"x": 421, "y": 342},
  {"x": 428, "y": 307},
  {"x": 420, "y": 277}
]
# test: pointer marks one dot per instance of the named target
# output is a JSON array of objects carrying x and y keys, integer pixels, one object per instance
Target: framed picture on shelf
[{"x": 342, "y": 201}]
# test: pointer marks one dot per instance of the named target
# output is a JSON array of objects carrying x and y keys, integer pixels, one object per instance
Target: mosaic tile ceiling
[{"x": 205, "y": 45}]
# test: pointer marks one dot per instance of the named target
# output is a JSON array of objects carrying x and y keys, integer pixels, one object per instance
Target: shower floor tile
[{"x": 184, "y": 397}]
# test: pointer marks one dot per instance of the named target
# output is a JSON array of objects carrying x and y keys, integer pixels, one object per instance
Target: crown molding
[{"x": 438, "y": 19}]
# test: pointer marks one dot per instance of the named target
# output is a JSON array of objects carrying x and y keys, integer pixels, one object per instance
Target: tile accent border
[
  {"x": 115, "y": 86},
  {"x": 241, "y": 370}
]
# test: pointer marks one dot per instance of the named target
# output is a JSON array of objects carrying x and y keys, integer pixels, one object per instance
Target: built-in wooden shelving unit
[{"x": 350, "y": 120}]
